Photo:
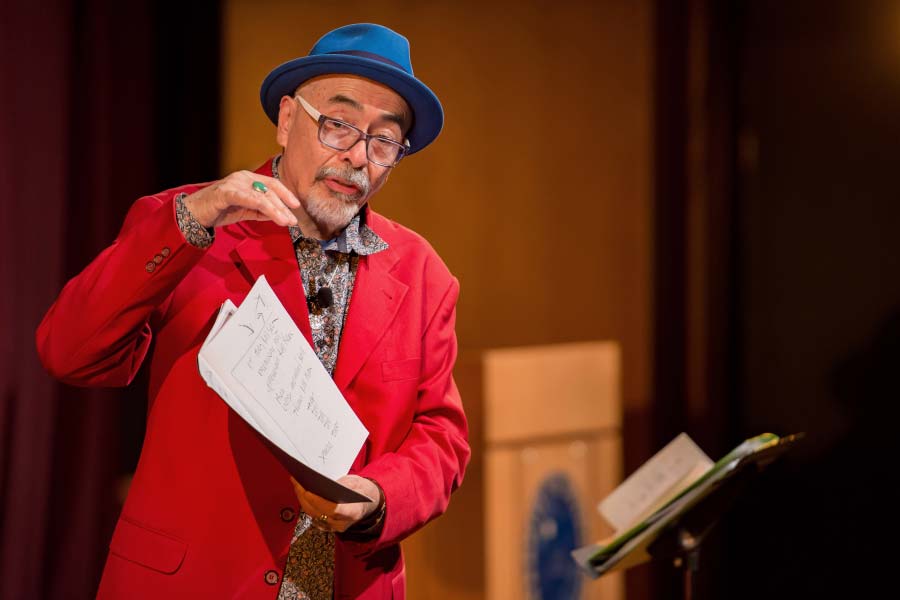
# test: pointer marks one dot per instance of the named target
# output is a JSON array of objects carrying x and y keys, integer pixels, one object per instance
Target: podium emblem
[{"x": 554, "y": 531}]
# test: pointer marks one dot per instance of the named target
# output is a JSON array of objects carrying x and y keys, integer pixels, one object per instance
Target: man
[{"x": 211, "y": 512}]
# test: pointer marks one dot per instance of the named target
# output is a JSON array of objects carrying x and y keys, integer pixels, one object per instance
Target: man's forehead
[{"x": 356, "y": 92}]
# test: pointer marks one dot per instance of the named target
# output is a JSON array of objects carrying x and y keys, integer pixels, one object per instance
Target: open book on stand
[
  {"x": 663, "y": 489},
  {"x": 258, "y": 361}
]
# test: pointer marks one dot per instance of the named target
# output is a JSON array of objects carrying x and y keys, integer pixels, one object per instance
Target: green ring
[{"x": 260, "y": 187}]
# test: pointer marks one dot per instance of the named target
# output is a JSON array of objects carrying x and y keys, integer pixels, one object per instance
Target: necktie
[{"x": 309, "y": 573}]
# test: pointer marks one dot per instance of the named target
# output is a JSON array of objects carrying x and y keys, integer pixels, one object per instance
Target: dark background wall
[
  {"x": 777, "y": 141},
  {"x": 817, "y": 301}
]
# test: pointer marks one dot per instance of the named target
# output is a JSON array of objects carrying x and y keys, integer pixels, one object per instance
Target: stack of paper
[
  {"x": 258, "y": 361},
  {"x": 656, "y": 482}
]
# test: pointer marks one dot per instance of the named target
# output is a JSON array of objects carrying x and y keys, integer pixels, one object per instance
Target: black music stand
[{"x": 676, "y": 532}]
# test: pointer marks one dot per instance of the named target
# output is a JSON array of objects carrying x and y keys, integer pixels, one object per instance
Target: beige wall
[{"x": 538, "y": 192}]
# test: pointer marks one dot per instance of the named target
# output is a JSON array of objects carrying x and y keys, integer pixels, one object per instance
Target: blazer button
[
  {"x": 271, "y": 577},
  {"x": 158, "y": 258},
  {"x": 150, "y": 266},
  {"x": 287, "y": 514},
  {"x": 165, "y": 251}
]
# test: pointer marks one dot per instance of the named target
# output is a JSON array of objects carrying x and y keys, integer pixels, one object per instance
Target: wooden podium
[{"x": 545, "y": 429}]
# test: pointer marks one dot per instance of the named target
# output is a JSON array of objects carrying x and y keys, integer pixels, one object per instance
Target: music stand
[{"x": 677, "y": 531}]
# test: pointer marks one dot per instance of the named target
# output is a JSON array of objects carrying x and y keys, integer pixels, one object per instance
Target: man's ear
[{"x": 286, "y": 111}]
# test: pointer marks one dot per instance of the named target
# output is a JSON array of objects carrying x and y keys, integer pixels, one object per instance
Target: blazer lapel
[
  {"x": 376, "y": 298},
  {"x": 268, "y": 251}
]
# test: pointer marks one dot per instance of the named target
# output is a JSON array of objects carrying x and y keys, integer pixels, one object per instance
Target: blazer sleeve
[
  {"x": 420, "y": 475},
  {"x": 97, "y": 332}
]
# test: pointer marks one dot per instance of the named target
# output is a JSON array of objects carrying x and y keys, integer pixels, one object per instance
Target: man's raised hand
[{"x": 239, "y": 197}]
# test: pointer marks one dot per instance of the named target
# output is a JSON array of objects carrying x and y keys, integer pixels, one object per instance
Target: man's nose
[{"x": 356, "y": 154}]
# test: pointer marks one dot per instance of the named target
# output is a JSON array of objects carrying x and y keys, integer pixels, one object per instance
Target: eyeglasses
[{"x": 340, "y": 135}]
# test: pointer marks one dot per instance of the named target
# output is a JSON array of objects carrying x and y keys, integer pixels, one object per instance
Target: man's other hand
[{"x": 328, "y": 516}]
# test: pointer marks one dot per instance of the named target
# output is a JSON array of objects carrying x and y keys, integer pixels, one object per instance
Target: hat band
[{"x": 372, "y": 56}]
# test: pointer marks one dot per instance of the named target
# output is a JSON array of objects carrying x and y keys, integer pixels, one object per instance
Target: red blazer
[{"x": 210, "y": 512}]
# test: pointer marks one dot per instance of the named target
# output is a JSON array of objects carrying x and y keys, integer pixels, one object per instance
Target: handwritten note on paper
[
  {"x": 669, "y": 471},
  {"x": 273, "y": 378}
]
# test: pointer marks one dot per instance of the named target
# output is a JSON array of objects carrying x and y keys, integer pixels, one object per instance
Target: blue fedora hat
[{"x": 371, "y": 51}]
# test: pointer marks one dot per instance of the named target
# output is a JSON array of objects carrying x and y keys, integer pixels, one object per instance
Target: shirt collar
[{"x": 355, "y": 237}]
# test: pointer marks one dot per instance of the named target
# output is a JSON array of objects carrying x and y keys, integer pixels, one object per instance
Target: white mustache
[{"x": 357, "y": 177}]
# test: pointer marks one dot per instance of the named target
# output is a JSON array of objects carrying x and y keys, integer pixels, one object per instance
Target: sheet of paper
[
  {"x": 225, "y": 313},
  {"x": 228, "y": 309},
  {"x": 670, "y": 470},
  {"x": 258, "y": 361}
]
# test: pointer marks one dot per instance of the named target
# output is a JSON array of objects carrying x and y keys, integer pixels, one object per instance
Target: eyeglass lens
[{"x": 341, "y": 136}]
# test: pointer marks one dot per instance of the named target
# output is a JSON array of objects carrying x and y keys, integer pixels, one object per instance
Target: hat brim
[{"x": 428, "y": 115}]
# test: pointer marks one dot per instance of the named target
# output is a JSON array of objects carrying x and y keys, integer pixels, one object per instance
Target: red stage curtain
[{"x": 87, "y": 90}]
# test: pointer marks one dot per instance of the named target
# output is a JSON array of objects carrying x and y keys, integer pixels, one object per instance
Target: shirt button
[
  {"x": 287, "y": 514},
  {"x": 165, "y": 251},
  {"x": 271, "y": 577},
  {"x": 150, "y": 266}
]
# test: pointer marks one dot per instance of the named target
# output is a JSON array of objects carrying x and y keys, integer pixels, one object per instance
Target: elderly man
[{"x": 211, "y": 512}]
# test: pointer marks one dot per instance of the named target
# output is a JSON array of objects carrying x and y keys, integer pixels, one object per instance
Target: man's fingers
[
  {"x": 243, "y": 196},
  {"x": 315, "y": 506},
  {"x": 338, "y": 517},
  {"x": 270, "y": 204},
  {"x": 276, "y": 192},
  {"x": 280, "y": 190},
  {"x": 338, "y": 525},
  {"x": 266, "y": 204},
  {"x": 239, "y": 196},
  {"x": 318, "y": 505},
  {"x": 312, "y": 504}
]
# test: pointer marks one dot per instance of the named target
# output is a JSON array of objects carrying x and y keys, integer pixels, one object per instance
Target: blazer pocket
[
  {"x": 152, "y": 549},
  {"x": 396, "y": 370}
]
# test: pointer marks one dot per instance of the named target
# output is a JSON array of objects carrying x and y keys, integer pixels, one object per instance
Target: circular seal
[{"x": 554, "y": 531}]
